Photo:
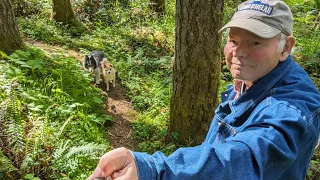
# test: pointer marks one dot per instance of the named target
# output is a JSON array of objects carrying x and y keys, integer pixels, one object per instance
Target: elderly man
[{"x": 267, "y": 125}]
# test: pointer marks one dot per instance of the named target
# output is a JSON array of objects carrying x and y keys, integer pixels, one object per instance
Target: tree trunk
[
  {"x": 158, "y": 6},
  {"x": 62, "y": 11},
  {"x": 196, "y": 70},
  {"x": 10, "y": 39}
]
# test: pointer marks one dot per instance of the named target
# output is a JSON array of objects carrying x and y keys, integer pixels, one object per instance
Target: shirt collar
[{"x": 259, "y": 89}]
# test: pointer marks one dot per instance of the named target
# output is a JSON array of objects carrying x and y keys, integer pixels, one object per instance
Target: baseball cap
[{"x": 265, "y": 18}]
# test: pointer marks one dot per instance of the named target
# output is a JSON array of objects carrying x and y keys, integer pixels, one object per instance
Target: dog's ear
[
  {"x": 110, "y": 65},
  {"x": 103, "y": 64}
]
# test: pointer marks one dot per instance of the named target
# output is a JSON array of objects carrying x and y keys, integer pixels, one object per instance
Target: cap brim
[{"x": 254, "y": 26}]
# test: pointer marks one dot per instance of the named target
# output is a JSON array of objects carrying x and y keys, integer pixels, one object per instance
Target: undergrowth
[
  {"x": 59, "y": 111},
  {"x": 49, "y": 118}
]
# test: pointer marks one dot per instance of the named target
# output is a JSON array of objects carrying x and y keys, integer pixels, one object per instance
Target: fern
[
  {"x": 86, "y": 150},
  {"x": 70, "y": 159},
  {"x": 60, "y": 151},
  {"x": 12, "y": 129},
  {"x": 65, "y": 151},
  {"x": 14, "y": 124},
  {"x": 64, "y": 126},
  {"x": 6, "y": 167},
  {"x": 37, "y": 144}
]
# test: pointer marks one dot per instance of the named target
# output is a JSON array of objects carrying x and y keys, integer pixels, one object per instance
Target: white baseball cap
[{"x": 265, "y": 18}]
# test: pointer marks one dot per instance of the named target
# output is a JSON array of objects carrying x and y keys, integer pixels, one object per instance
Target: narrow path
[
  {"x": 119, "y": 107},
  {"x": 120, "y": 131}
]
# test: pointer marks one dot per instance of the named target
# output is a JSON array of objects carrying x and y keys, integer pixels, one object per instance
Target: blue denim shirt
[{"x": 269, "y": 132}]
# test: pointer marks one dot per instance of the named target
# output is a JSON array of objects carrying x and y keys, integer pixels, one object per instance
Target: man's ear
[{"x": 290, "y": 42}]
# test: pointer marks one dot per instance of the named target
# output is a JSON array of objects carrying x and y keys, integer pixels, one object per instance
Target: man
[{"x": 267, "y": 125}]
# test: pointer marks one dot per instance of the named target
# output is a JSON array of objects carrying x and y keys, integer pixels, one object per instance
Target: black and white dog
[{"x": 92, "y": 63}]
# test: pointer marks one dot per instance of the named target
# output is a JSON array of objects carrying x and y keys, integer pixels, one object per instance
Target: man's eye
[
  {"x": 232, "y": 41},
  {"x": 256, "y": 43}
]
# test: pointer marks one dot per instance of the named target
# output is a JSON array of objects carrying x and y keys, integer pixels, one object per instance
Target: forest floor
[{"x": 120, "y": 131}]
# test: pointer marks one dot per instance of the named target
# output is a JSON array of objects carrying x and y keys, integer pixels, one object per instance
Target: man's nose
[{"x": 240, "y": 51}]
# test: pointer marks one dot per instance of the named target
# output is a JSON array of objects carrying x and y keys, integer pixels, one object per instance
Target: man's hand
[{"x": 119, "y": 164}]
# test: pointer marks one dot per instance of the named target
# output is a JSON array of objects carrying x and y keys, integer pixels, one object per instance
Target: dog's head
[
  {"x": 108, "y": 67},
  {"x": 89, "y": 63}
]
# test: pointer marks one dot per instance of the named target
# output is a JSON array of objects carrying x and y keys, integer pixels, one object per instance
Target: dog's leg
[
  {"x": 107, "y": 83},
  {"x": 114, "y": 81},
  {"x": 103, "y": 72},
  {"x": 97, "y": 75}
]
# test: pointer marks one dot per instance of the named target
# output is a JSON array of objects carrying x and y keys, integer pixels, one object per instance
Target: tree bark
[
  {"x": 158, "y": 6},
  {"x": 10, "y": 39},
  {"x": 62, "y": 11},
  {"x": 196, "y": 70}
]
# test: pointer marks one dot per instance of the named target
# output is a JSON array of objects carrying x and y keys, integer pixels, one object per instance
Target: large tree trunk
[
  {"x": 62, "y": 11},
  {"x": 10, "y": 39},
  {"x": 196, "y": 70},
  {"x": 158, "y": 6}
]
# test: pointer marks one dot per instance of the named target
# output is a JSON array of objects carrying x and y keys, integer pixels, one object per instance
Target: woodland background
[{"x": 54, "y": 123}]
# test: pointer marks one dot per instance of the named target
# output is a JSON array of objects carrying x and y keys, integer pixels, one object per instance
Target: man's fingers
[
  {"x": 105, "y": 168},
  {"x": 118, "y": 174},
  {"x": 96, "y": 173},
  {"x": 125, "y": 170},
  {"x": 130, "y": 175},
  {"x": 113, "y": 161}
]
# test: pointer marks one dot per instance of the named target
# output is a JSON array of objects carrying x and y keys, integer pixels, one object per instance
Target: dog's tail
[
  {"x": 105, "y": 60},
  {"x": 103, "y": 66}
]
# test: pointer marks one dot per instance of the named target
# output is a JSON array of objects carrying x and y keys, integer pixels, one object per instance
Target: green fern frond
[
  {"x": 6, "y": 166},
  {"x": 37, "y": 134},
  {"x": 86, "y": 150},
  {"x": 61, "y": 150},
  {"x": 36, "y": 140},
  {"x": 6, "y": 163},
  {"x": 14, "y": 124},
  {"x": 64, "y": 125},
  {"x": 66, "y": 152}
]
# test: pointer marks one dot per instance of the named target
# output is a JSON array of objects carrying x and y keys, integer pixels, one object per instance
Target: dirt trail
[{"x": 120, "y": 131}]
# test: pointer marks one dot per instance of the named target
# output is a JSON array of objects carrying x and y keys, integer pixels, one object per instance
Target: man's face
[{"x": 250, "y": 57}]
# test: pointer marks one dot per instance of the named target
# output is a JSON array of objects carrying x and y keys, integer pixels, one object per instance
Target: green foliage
[
  {"x": 7, "y": 169},
  {"x": 148, "y": 80},
  {"x": 309, "y": 3},
  {"x": 73, "y": 159},
  {"x": 31, "y": 177},
  {"x": 13, "y": 125},
  {"x": 306, "y": 31},
  {"x": 314, "y": 170},
  {"x": 48, "y": 101},
  {"x": 29, "y": 7},
  {"x": 55, "y": 96},
  {"x": 151, "y": 132},
  {"x": 317, "y": 3},
  {"x": 42, "y": 28}
]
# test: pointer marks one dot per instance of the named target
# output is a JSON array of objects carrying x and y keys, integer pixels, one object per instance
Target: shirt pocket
[{"x": 225, "y": 130}]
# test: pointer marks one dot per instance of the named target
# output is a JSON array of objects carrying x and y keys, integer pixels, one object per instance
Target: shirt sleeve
[{"x": 263, "y": 149}]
